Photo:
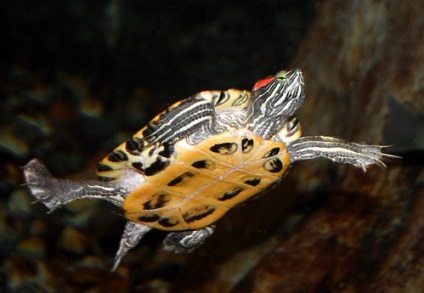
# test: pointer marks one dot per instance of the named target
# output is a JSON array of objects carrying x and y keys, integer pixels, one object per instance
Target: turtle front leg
[
  {"x": 54, "y": 192},
  {"x": 193, "y": 115},
  {"x": 187, "y": 240},
  {"x": 337, "y": 150}
]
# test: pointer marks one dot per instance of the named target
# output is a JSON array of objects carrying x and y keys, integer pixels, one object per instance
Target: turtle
[{"x": 199, "y": 158}]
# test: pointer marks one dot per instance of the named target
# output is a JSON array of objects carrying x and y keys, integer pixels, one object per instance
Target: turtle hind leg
[
  {"x": 54, "y": 192},
  {"x": 131, "y": 236},
  {"x": 174, "y": 241},
  {"x": 187, "y": 240}
]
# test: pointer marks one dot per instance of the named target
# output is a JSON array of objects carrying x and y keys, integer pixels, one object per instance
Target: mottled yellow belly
[{"x": 203, "y": 181}]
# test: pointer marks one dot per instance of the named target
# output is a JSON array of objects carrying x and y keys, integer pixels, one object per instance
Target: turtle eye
[{"x": 281, "y": 77}]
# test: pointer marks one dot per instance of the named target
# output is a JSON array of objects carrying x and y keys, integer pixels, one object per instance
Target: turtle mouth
[{"x": 298, "y": 76}]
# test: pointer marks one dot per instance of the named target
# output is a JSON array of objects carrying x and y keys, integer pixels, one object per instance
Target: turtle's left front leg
[
  {"x": 337, "y": 150},
  {"x": 195, "y": 114}
]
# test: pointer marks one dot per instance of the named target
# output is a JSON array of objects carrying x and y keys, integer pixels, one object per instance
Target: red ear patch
[{"x": 263, "y": 82}]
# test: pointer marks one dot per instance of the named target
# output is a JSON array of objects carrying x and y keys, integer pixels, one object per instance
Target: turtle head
[{"x": 274, "y": 101}]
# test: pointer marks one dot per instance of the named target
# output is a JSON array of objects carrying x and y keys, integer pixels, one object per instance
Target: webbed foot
[
  {"x": 42, "y": 184},
  {"x": 187, "y": 240},
  {"x": 54, "y": 192}
]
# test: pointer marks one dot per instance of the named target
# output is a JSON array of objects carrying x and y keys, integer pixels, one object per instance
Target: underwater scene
[{"x": 211, "y": 146}]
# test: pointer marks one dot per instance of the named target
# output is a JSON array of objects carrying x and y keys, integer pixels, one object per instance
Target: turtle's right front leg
[
  {"x": 337, "y": 150},
  {"x": 54, "y": 192}
]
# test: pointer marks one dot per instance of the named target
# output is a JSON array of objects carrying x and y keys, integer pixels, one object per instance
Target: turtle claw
[
  {"x": 53, "y": 206},
  {"x": 368, "y": 155}
]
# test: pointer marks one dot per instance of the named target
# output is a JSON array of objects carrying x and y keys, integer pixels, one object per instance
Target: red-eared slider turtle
[{"x": 198, "y": 159}]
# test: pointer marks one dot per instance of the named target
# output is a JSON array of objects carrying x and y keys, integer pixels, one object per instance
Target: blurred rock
[
  {"x": 32, "y": 247},
  {"x": 74, "y": 241},
  {"x": 13, "y": 145},
  {"x": 12, "y": 228},
  {"x": 39, "y": 227},
  {"x": 20, "y": 202}
]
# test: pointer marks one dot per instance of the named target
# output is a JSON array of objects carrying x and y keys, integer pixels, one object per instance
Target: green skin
[{"x": 273, "y": 102}]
